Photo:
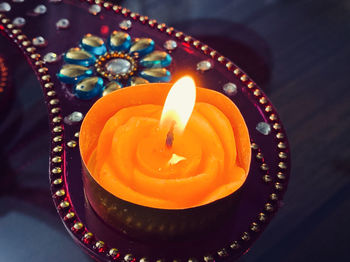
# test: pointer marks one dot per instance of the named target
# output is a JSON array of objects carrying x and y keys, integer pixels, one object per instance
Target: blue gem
[
  {"x": 142, "y": 46},
  {"x": 156, "y": 59},
  {"x": 119, "y": 41},
  {"x": 93, "y": 44},
  {"x": 156, "y": 75},
  {"x": 89, "y": 88},
  {"x": 72, "y": 74},
  {"x": 78, "y": 56}
]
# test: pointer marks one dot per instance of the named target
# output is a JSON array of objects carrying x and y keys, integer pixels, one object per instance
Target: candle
[{"x": 191, "y": 152}]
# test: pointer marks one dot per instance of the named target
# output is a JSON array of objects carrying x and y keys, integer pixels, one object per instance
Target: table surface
[{"x": 297, "y": 51}]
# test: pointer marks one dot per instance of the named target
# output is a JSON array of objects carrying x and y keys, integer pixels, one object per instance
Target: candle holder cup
[{"x": 146, "y": 222}]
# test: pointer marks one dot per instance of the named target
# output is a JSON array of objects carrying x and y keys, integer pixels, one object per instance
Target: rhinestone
[
  {"x": 245, "y": 236},
  {"x": 57, "y": 139},
  {"x": 78, "y": 226},
  {"x": 57, "y": 170},
  {"x": 276, "y": 126},
  {"x": 55, "y": 110},
  {"x": 73, "y": 118},
  {"x": 46, "y": 77},
  {"x": 234, "y": 245},
  {"x": 229, "y": 65},
  {"x": 170, "y": 45},
  {"x": 282, "y": 165},
  {"x": 26, "y": 43},
  {"x": 113, "y": 252},
  {"x": 43, "y": 70},
  {"x": 230, "y": 89},
  {"x": 39, "y": 41},
  {"x": 204, "y": 65},
  {"x": 213, "y": 53},
  {"x": 76, "y": 134},
  {"x": 281, "y": 175},
  {"x": 262, "y": 217},
  {"x": 196, "y": 43},
  {"x": 62, "y": 23},
  {"x": 57, "y": 181},
  {"x": 118, "y": 66},
  {"x": 72, "y": 144},
  {"x": 50, "y": 57},
  {"x": 57, "y": 159},
  {"x": 60, "y": 192},
  {"x": 208, "y": 258},
  {"x": 188, "y": 39},
  {"x": 267, "y": 178},
  {"x": 125, "y": 24},
  {"x": 178, "y": 34},
  {"x": 273, "y": 197},
  {"x": 19, "y": 21},
  {"x": 94, "y": 9},
  {"x": 70, "y": 215},
  {"x": 268, "y": 207},
  {"x": 264, "y": 166},
  {"x": 5, "y": 7},
  {"x": 40, "y": 9},
  {"x": 64, "y": 204},
  {"x": 223, "y": 252},
  {"x": 128, "y": 258},
  {"x": 264, "y": 128}
]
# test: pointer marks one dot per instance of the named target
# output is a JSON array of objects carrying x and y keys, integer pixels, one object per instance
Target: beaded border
[{"x": 58, "y": 186}]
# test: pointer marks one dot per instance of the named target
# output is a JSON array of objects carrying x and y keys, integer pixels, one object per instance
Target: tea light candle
[{"x": 190, "y": 152}]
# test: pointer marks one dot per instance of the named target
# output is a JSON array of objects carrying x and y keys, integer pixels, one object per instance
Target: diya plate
[{"x": 61, "y": 72}]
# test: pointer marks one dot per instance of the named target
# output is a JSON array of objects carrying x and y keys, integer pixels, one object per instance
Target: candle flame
[{"x": 179, "y": 105}]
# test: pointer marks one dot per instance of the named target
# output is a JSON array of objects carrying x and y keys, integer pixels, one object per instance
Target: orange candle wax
[{"x": 138, "y": 159}]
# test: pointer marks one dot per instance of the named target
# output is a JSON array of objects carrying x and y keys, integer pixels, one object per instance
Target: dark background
[{"x": 297, "y": 51}]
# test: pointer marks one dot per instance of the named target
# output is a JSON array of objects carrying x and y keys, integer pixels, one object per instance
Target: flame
[{"x": 179, "y": 105}]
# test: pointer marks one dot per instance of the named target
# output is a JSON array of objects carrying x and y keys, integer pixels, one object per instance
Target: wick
[{"x": 170, "y": 136}]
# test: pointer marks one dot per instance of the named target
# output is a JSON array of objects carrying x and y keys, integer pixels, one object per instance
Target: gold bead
[
  {"x": 178, "y": 34},
  {"x": 57, "y": 149},
  {"x": 276, "y": 126},
  {"x": 281, "y": 175},
  {"x": 57, "y": 181},
  {"x": 213, "y": 53},
  {"x": 282, "y": 155},
  {"x": 264, "y": 166},
  {"x": 60, "y": 192},
  {"x": 259, "y": 156},
  {"x": 187, "y": 39},
  {"x": 31, "y": 49},
  {"x": 254, "y": 146},
  {"x": 57, "y": 129},
  {"x": 46, "y": 77},
  {"x": 70, "y": 215},
  {"x": 54, "y": 102},
  {"x": 263, "y": 100},
  {"x": 72, "y": 144},
  {"x": 274, "y": 197},
  {"x": 57, "y": 159},
  {"x": 257, "y": 92},
  {"x": 55, "y": 110},
  {"x": 221, "y": 58},
  {"x": 236, "y": 71},
  {"x": 56, "y": 170},
  {"x": 281, "y": 145},
  {"x": 64, "y": 204},
  {"x": 282, "y": 165},
  {"x": 254, "y": 227},
  {"x": 57, "y": 119},
  {"x": 278, "y": 186},
  {"x": 43, "y": 70},
  {"x": 262, "y": 217},
  {"x": 268, "y": 108},
  {"x": 51, "y": 93},
  {"x": 280, "y": 135},
  {"x": 57, "y": 139},
  {"x": 196, "y": 43},
  {"x": 35, "y": 56},
  {"x": 268, "y": 207},
  {"x": 78, "y": 225},
  {"x": 244, "y": 78}
]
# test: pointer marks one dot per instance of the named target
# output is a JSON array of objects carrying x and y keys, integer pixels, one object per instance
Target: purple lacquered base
[{"x": 270, "y": 166}]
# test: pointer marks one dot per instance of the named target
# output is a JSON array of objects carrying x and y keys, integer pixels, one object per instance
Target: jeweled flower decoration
[{"x": 97, "y": 67}]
